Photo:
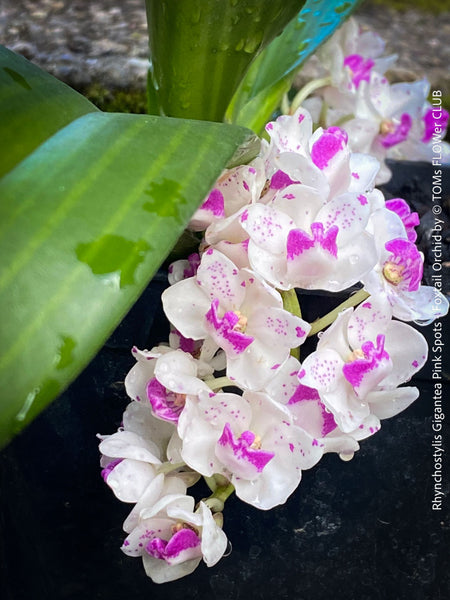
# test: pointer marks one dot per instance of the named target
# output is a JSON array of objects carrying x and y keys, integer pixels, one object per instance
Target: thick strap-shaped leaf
[
  {"x": 85, "y": 221},
  {"x": 201, "y": 50},
  {"x": 33, "y": 106},
  {"x": 272, "y": 72}
]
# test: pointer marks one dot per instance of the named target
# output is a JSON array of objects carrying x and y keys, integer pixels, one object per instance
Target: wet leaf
[{"x": 85, "y": 221}]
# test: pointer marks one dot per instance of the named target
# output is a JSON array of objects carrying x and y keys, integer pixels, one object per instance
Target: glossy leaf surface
[
  {"x": 271, "y": 74},
  {"x": 33, "y": 106},
  {"x": 201, "y": 50},
  {"x": 85, "y": 221}
]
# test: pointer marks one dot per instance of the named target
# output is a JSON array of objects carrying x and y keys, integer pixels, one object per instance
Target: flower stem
[
  {"x": 167, "y": 467},
  {"x": 307, "y": 90},
  {"x": 344, "y": 120},
  {"x": 216, "y": 501},
  {"x": 291, "y": 304},
  {"x": 285, "y": 107},
  {"x": 330, "y": 318}
]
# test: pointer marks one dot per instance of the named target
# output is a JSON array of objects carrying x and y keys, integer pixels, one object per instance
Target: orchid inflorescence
[{"x": 227, "y": 397}]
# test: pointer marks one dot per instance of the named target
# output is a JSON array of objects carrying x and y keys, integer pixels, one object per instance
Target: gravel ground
[{"x": 105, "y": 41}]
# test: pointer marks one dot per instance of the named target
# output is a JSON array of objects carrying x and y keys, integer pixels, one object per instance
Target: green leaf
[
  {"x": 85, "y": 221},
  {"x": 201, "y": 50},
  {"x": 271, "y": 74},
  {"x": 33, "y": 106}
]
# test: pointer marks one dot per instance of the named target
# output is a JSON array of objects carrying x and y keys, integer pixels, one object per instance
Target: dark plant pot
[{"x": 362, "y": 530}]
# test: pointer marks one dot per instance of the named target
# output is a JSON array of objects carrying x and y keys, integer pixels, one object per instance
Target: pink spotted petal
[
  {"x": 219, "y": 279},
  {"x": 267, "y": 227},
  {"x": 349, "y": 213},
  {"x": 371, "y": 318}
]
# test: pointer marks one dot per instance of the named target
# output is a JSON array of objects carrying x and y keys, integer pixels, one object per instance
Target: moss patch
[{"x": 125, "y": 101}]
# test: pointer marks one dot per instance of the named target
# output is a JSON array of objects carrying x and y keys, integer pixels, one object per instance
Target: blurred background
[{"x": 99, "y": 47}]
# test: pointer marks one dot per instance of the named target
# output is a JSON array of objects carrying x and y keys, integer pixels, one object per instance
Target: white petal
[
  {"x": 387, "y": 404},
  {"x": 139, "y": 419},
  {"x": 214, "y": 540},
  {"x": 177, "y": 371},
  {"x": 161, "y": 572},
  {"x": 408, "y": 350},
  {"x": 364, "y": 169},
  {"x": 129, "y": 479},
  {"x": 126, "y": 444},
  {"x": 185, "y": 306}
]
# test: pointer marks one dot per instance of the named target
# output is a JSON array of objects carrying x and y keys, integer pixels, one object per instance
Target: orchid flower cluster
[
  {"x": 386, "y": 120},
  {"x": 227, "y": 398}
]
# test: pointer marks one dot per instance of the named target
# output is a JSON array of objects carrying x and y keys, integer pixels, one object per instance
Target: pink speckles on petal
[
  {"x": 367, "y": 305},
  {"x": 300, "y": 332},
  {"x": 327, "y": 146},
  {"x": 362, "y": 199},
  {"x": 415, "y": 364},
  {"x": 214, "y": 203},
  {"x": 244, "y": 216},
  {"x": 355, "y": 175}
]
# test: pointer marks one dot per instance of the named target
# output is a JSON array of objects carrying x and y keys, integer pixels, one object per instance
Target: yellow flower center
[
  {"x": 356, "y": 355},
  {"x": 182, "y": 525},
  {"x": 180, "y": 399},
  {"x": 386, "y": 127},
  {"x": 393, "y": 272},
  {"x": 241, "y": 325},
  {"x": 256, "y": 444}
]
